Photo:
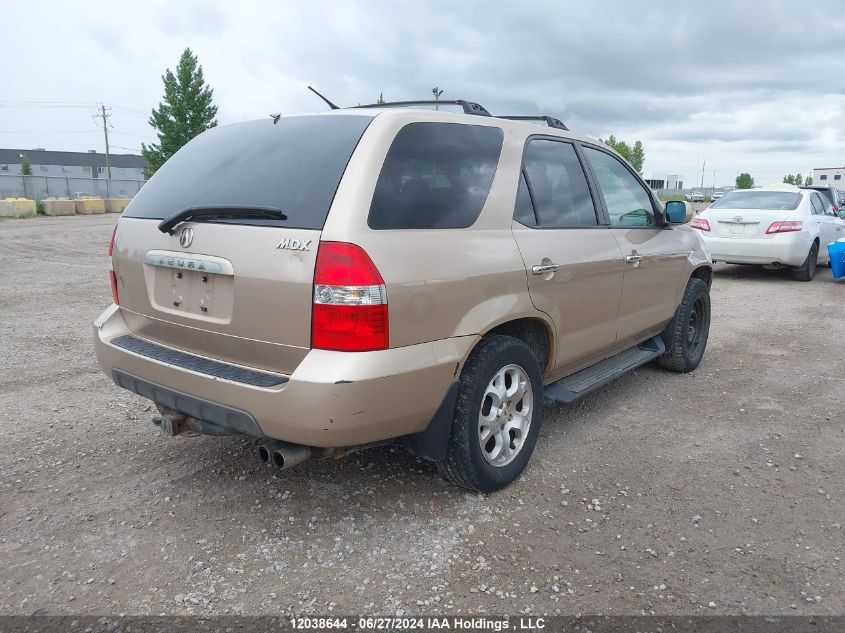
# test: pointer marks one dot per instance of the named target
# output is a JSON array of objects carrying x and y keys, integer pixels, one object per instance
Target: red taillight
[
  {"x": 784, "y": 226},
  {"x": 349, "y": 312},
  {"x": 700, "y": 224},
  {"x": 113, "y": 279},
  {"x": 112, "y": 275}
]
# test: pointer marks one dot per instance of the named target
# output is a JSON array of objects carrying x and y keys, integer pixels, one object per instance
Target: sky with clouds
[{"x": 741, "y": 86}]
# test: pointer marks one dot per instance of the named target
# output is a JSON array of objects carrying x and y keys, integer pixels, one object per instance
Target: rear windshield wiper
[{"x": 199, "y": 213}]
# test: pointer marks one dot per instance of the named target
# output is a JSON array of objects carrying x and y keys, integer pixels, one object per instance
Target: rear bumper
[
  {"x": 790, "y": 249},
  {"x": 332, "y": 399}
]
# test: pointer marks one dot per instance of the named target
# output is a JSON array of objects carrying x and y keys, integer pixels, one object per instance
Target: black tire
[
  {"x": 691, "y": 329},
  {"x": 465, "y": 464},
  {"x": 807, "y": 270}
]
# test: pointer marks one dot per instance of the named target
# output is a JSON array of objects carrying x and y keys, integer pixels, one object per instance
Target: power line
[
  {"x": 146, "y": 136},
  {"x": 129, "y": 149},
  {"x": 47, "y": 131},
  {"x": 42, "y": 106},
  {"x": 129, "y": 109},
  {"x": 39, "y": 105}
]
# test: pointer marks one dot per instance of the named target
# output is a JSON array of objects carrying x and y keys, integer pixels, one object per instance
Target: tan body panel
[
  {"x": 332, "y": 398},
  {"x": 582, "y": 296},
  {"x": 653, "y": 286},
  {"x": 445, "y": 289},
  {"x": 259, "y": 317}
]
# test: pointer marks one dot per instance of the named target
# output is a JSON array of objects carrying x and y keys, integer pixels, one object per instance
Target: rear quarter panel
[{"x": 440, "y": 282}]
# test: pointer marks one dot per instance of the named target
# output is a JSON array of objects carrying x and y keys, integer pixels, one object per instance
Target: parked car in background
[
  {"x": 286, "y": 279},
  {"x": 776, "y": 227},
  {"x": 829, "y": 192},
  {"x": 716, "y": 195},
  {"x": 695, "y": 196}
]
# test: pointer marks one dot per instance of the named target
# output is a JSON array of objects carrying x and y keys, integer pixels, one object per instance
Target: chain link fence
[{"x": 40, "y": 187}]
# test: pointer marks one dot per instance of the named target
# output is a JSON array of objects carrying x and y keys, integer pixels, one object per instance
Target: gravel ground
[{"x": 715, "y": 492}]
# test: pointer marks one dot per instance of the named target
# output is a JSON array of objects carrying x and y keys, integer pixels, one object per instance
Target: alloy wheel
[{"x": 505, "y": 416}]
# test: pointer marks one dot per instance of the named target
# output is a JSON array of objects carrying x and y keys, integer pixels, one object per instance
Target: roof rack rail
[
  {"x": 469, "y": 107},
  {"x": 550, "y": 120}
]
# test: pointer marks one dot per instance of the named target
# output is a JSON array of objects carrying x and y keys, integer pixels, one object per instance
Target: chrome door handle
[
  {"x": 630, "y": 259},
  {"x": 544, "y": 269}
]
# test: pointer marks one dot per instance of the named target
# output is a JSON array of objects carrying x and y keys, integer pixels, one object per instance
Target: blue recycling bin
[{"x": 836, "y": 250}]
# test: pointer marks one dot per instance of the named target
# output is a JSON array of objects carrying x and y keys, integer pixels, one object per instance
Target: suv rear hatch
[{"x": 235, "y": 285}]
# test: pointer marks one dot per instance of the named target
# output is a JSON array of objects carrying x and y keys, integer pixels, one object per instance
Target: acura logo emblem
[{"x": 186, "y": 237}]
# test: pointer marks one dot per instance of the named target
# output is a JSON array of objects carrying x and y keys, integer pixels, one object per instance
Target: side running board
[{"x": 581, "y": 383}]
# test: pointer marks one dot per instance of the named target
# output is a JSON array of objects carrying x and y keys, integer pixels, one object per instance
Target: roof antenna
[
  {"x": 331, "y": 105},
  {"x": 276, "y": 117}
]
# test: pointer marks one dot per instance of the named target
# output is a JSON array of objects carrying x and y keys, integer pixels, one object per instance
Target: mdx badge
[{"x": 291, "y": 244}]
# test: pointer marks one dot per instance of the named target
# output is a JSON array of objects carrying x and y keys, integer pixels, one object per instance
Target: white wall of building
[{"x": 834, "y": 176}]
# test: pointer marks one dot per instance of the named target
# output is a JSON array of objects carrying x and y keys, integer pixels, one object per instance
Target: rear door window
[
  {"x": 524, "y": 211},
  {"x": 827, "y": 206},
  {"x": 557, "y": 186},
  {"x": 436, "y": 176},
  {"x": 818, "y": 207}
]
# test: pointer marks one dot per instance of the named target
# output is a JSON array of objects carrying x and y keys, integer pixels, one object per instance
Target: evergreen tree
[
  {"x": 26, "y": 166},
  {"x": 186, "y": 111}
]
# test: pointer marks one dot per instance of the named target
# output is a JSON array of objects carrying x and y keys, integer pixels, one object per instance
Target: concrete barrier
[
  {"x": 117, "y": 205},
  {"x": 88, "y": 206},
  {"x": 17, "y": 208},
  {"x": 59, "y": 207}
]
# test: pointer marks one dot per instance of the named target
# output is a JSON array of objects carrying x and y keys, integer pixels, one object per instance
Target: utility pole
[
  {"x": 105, "y": 117},
  {"x": 702, "y": 172},
  {"x": 436, "y": 92}
]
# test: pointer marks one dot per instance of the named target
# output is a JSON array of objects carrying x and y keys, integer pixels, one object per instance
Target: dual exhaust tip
[{"x": 283, "y": 456}]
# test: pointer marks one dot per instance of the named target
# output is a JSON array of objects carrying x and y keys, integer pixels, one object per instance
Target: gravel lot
[{"x": 716, "y": 492}]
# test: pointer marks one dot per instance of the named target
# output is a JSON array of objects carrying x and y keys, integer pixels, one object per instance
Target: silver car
[{"x": 781, "y": 226}]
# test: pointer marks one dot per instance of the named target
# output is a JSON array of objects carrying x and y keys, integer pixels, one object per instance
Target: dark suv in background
[{"x": 829, "y": 192}]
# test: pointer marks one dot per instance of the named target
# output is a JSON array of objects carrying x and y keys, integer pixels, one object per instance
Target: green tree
[
  {"x": 808, "y": 180},
  {"x": 634, "y": 155},
  {"x": 381, "y": 98},
  {"x": 789, "y": 179},
  {"x": 744, "y": 181},
  {"x": 186, "y": 111},
  {"x": 799, "y": 180},
  {"x": 638, "y": 156},
  {"x": 26, "y": 166}
]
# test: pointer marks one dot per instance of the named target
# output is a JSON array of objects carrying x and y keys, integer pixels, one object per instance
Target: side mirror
[{"x": 679, "y": 212}]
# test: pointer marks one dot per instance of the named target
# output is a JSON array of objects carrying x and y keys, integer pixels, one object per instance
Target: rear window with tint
[
  {"x": 294, "y": 165},
  {"x": 763, "y": 200},
  {"x": 436, "y": 176}
]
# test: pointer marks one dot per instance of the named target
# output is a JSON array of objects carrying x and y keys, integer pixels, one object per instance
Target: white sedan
[{"x": 776, "y": 226}]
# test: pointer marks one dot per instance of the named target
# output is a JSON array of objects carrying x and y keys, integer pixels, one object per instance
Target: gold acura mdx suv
[{"x": 396, "y": 274}]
